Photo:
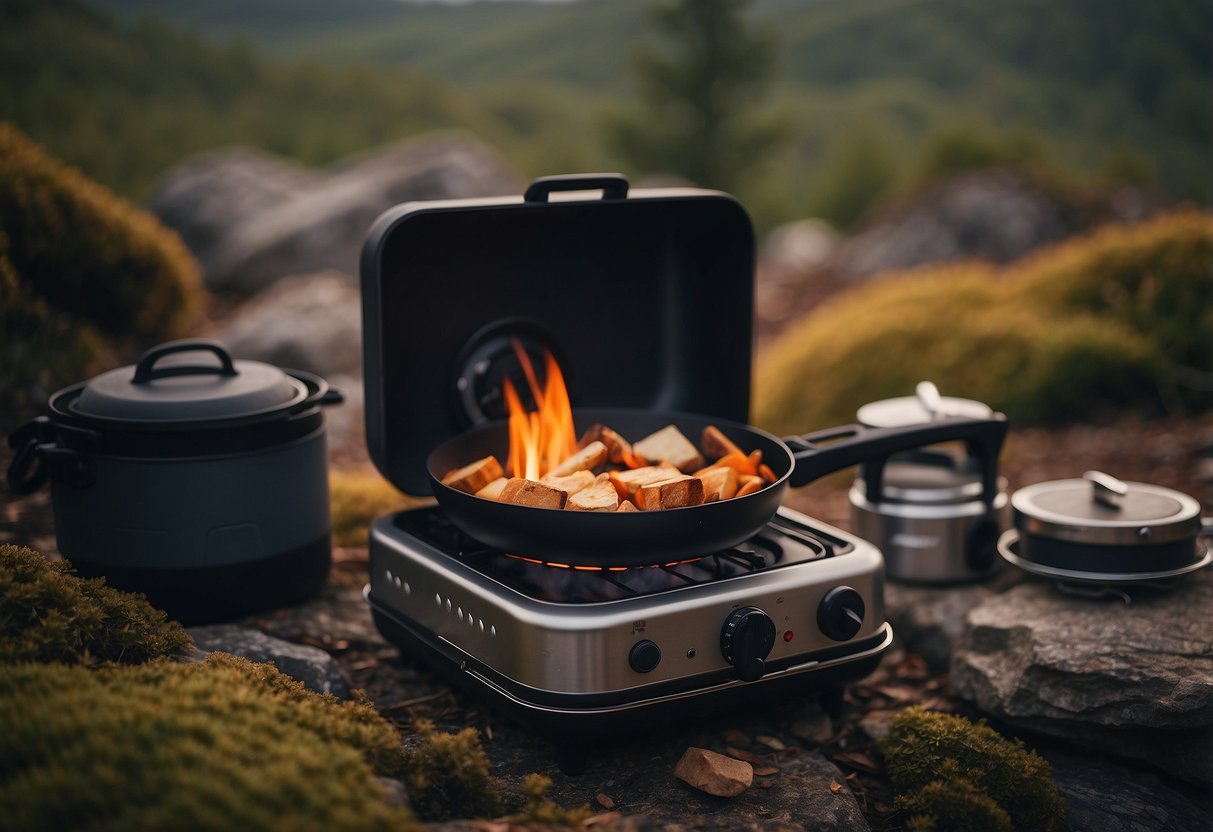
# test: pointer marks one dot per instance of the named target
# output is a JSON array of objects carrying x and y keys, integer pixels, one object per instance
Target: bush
[
  {"x": 79, "y": 268},
  {"x": 222, "y": 744},
  {"x": 448, "y": 776},
  {"x": 1120, "y": 319},
  {"x": 49, "y": 615},
  {"x": 950, "y": 773}
]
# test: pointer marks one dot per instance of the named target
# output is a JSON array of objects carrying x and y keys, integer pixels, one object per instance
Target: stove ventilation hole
[
  {"x": 480, "y": 621},
  {"x": 493, "y": 631},
  {"x": 408, "y": 590},
  {"x": 437, "y": 600}
]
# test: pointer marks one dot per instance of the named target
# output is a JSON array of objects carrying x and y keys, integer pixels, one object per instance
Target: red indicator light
[{"x": 787, "y": 635}]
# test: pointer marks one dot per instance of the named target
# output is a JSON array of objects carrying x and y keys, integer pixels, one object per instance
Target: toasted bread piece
[
  {"x": 471, "y": 478},
  {"x": 749, "y": 485},
  {"x": 719, "y": 483},
  {"x": 626, "y": 505},
  {"x": 526, "y": 492},
  {"x": 572, "y": 483},
  {"x": 601, "y": 496},
  {"x": 715, "y": 444},
  {"x": 669, "y": 445},
  {"x": 589, "y": 457},
  {"x": 619, "y": 450},
  {"x": 626, "y": 482},
  {"x": 492, "y": 491},
  {"x": 673, "y": 493}
]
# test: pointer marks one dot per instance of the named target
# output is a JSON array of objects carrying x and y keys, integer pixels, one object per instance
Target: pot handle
[
  {"x": 145, "y": 372},
  {"x": 41, "y": 450},
  {"x": 26, "y": 472},
  {"x": 852, "y": 444},
  {"x": 612, "y": 185}
]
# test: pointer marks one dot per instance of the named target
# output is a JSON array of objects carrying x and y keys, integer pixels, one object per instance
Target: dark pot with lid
[
  {"x": 935, "y": 513},
  {"x": 1100, "y": 530},
  {"x": 194, "y": 478}
]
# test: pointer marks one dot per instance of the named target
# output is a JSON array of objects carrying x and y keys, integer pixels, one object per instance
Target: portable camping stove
[
  {"x": 590, "y": 652},
  {"x": 619, "y": 285}
]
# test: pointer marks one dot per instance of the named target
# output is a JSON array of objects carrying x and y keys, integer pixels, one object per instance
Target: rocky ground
[{"x": 1118, "y": 697}]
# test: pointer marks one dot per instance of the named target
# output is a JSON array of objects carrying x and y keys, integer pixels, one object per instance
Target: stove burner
[{"x": 784, "y": 541}]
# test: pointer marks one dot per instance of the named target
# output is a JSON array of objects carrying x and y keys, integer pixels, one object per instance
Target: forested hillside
[{"x": 1092, "y": 91}]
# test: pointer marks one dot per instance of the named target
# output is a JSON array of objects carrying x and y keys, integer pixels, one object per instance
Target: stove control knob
[
  {"x": 746, "y": 641},
  {"x": 644, "y": 656},
  {"x": 840, "y": 614}
]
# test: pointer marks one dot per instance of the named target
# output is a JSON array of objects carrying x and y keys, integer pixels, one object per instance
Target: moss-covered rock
[
  {"x": 223, "y": 744},
  {"x": 47, "y": 614},
  {"x": 79, "y": 268},
  {"x": 1104, "y": 322},
  {"x": 953, "y": 774},
  {"x": 447, "y": 776}
]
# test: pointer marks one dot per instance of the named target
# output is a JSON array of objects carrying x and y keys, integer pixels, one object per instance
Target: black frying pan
[{"x": 591, "y": 538}]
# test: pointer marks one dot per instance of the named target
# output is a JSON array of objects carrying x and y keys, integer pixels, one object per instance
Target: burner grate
[{"x": 784, "y": 541}]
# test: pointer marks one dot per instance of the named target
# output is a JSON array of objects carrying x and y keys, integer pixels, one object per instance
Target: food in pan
[{"x": 607, "y": 473}]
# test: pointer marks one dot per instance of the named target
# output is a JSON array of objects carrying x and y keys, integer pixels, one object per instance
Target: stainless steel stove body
[{"x": 579, "y": 652}]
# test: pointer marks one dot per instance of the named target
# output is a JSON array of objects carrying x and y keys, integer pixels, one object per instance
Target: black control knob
[
  {"x": 644, "y": 656},
  {"x": 746, "y": 641},
  {"x": 840, "y": 614}
]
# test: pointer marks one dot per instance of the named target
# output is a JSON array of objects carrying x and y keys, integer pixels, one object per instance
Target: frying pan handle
[{"x": 853, "y": 444}]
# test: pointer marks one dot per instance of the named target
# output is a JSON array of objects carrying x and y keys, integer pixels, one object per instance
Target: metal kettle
[{"x": 935, "y": 513}]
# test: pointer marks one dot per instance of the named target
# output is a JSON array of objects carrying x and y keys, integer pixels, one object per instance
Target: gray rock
[
  {"x": 1135, "y": 680},
  {"x": 321, "y": 221},
  {"x": 206, "y": 197},
  {"x": 315, "y": 668},
  {"x": 308, "y": 322},
  {"x": 1103, "y": 797},
  {"x": 931, "y": 619},
  {"x": 991, "y": 214},
  {"x": 800, "y": 245}
]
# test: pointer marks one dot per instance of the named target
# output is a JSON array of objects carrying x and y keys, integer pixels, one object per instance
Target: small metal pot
[
  {"x": 1099, "y": 530},
  {"x": 935, "y": 515},
  {"x": 202, "y": 485}
]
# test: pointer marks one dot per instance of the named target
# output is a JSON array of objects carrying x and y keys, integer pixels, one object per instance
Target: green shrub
[
  {"x": 541, "y": 809},
  {"x": 222, "y": 744},
  {"x": 447, "y": 776},
  {"x": 1102, "y": 322},
  {"x": 956, "y": 775},
  {"x": 79, "y": 269},
  {"x": 48, "y": 614}
]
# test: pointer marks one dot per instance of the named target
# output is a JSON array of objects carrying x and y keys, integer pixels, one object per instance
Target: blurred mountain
[{"x": 1113, "y": 90}]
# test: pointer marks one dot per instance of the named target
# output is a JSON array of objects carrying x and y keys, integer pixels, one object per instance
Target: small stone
[
  {"x": 714, "y": 773},
  {"x": 772, "y": 743},
  {"x": 815, "y": 729},
  {"x": 604, "y": 801}
]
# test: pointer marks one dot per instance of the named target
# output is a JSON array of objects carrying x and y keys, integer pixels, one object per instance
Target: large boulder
[
  {"x": 284, "y": 223},
  {"x": 1134, "y": 679},
  {"x": 994, "y": 214}
]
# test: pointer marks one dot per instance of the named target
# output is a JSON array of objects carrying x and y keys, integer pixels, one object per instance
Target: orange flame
[{"x": 539, "y": 441}]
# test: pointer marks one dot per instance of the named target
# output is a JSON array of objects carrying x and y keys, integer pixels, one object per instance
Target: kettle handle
[{"x": 855, "y": 444}]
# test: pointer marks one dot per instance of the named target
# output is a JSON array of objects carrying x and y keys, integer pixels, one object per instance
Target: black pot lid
[
  {"x": 173, "y": 383},
  {"x": 924, "y": 406},
  {"x": 1102, "y": 510}
]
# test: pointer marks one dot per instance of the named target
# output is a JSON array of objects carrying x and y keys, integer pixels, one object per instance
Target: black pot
[
  {"x": 1100, "y": 530},
  {"x": 203, "y": 486}
]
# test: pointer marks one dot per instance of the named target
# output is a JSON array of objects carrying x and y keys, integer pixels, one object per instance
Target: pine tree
[{"x": 697, "y": 95}]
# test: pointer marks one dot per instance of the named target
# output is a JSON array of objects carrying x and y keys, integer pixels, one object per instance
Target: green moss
[
  {"x": 49, "y": 615},
  {"x": 82, "y": 270},
  {"x": 960, "y": 775},
  {"x": 1106, "y": 322},
  {"x": 358, "y": 496},
  {"x": 447, "y": 776},
  {"x": 223, "y": 744},
  {"x": 541, "y": 809}
]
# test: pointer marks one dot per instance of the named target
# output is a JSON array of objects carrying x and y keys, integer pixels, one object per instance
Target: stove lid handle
[{"x": 612, "y": 185}]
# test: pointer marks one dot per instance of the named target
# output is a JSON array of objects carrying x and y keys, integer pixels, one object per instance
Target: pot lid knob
[
  {"x": 929, "y": 398},
  {"x": 1106, "y": 489},
  {"x": 926, "y": 405}
]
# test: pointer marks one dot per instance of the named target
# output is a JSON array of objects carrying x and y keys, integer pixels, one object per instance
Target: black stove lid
[{"x": 644, "y": 297}]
